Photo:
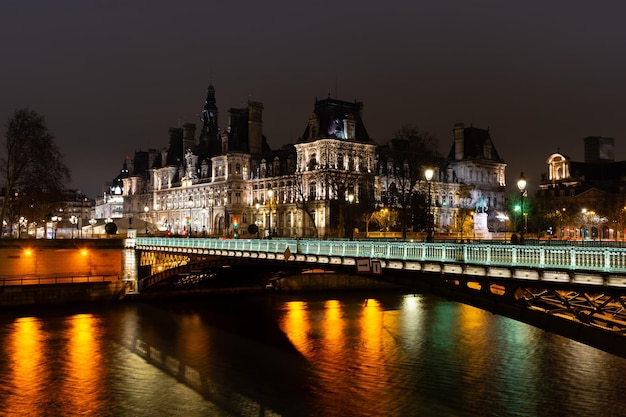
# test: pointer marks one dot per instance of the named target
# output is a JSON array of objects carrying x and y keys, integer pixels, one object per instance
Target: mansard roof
[
  {"x": 599, "y": 172},
  {"x": 331, "y": 114},
  {"x": 475, "y": 141},
  {"x": 285, "y": 156}
]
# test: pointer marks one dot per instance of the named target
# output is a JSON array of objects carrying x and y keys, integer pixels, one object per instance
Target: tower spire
[{"x": 209, "y": 138}]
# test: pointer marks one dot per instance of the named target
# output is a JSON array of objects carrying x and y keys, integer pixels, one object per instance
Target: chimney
[
  {"x": 459, "y": 141},
  {"x": 189, "y": 137},
  {"x": 599, "y": 149},
  {"x": 255, "y": 127}
]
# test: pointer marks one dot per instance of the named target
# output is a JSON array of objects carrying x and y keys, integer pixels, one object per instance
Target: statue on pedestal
[{"x": 480, "y": 218}]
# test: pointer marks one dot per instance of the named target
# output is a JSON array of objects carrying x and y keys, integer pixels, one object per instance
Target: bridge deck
[{"x": 609, "y": 261}]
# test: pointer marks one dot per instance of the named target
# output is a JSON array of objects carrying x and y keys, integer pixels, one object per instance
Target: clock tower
[{"x": 210, "y": 131}]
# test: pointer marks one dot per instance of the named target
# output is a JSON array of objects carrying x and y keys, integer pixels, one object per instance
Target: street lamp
[
  {"x": 351, "y": 222},
  {"x": 257, "y": 221},
  {"x": 521, "y": 184},
  {"x": 145, "y": 210},
  {"x": 55, "y": 220},
  {"x": 270, "y": 196},
  {"x": 19, "y": 214},
  {"x": 23, "y": 223},
  {"x": 92, "y": 222},
  {"x": 204, "y": 215},
  {"x": 429, "y": 226},
  {"x": 74, "y": 221},
  {"x": 583, "y": 233},
  {"x": 189, "y": 204}
]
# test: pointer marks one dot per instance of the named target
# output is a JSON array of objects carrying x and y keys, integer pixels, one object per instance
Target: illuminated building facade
[
  {"x": 230, "y": 182},
  {"x": 471, "y": 178},
  {"x": 584, "y": 200}
]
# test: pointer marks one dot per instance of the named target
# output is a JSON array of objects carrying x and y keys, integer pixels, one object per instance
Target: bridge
[{"x": 578, "y": 291}]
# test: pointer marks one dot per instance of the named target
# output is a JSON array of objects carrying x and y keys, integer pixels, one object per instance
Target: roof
[
  {"x": 331, "y": 114},
  {"x": 602, "y": 172},
  {"x": 475, "y": 143}
]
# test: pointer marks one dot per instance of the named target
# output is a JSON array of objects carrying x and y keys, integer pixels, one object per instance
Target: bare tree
[
  {"x": 303, "y": 200},
  {"x": 32, "y": 167},
  {"x": 407, "y": 155},
  {"x": 338, "y": 184}
]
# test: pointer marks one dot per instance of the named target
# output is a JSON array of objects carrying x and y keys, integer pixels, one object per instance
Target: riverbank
[{"x": 19, "y": 296}]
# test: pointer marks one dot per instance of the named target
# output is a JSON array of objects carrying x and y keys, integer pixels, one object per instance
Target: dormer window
[{"x": 559, "y": 167}]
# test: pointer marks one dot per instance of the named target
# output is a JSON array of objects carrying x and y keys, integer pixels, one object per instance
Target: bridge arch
[{"x": 582, "y": 288}]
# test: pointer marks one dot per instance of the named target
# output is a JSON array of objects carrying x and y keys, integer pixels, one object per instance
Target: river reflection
[
  {"x": 314, "y": 355},
  {"x": 420, "y": 355},
  {"x": 43, "y": 359}
]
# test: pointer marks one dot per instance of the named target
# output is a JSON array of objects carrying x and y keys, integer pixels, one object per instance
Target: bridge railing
[
  {"x": 65, "y": 279},
  {"x": 605, "y": 259}
]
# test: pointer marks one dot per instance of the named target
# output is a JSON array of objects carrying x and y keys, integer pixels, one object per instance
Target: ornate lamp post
[
  {"x": 429, "y": 226},
  {"x": 270, "y": 197},
  {"x": 351, "y": 223},
  {"x": 521, "y": 184},
  {"x": 257, "y": 221},
  {"x": 146, "y": 209}
]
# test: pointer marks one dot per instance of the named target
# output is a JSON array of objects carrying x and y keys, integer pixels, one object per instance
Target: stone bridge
[{"x": 577, "y": 291}]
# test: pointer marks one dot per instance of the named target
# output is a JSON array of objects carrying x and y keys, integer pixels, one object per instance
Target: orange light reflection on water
[
  {"x": 85, "y": 366},
  {"x": 297, "y": 327},
  {"x": 375, "y": 333},
  {"x": 25, "y": 353},
  {"x": 332, "y": 345},
  {"x": 323, "y": 337},
  {"x": 40, "y": 384},
  {"x": 333, "y": 327}
]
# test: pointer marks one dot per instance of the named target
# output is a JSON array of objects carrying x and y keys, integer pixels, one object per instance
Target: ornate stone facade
[
  {"x": 470, "y": 180},
  {"x": 229, "y": 182}
]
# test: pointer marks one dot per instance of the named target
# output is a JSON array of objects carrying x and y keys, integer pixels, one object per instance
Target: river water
[{"x": 366, "y": 354}]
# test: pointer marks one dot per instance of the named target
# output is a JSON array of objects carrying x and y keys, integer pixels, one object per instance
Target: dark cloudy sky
[{"x": 112, "y": 77}]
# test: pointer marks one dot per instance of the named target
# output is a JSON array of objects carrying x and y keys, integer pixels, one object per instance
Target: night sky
[{"x": 111, "y": 77}]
